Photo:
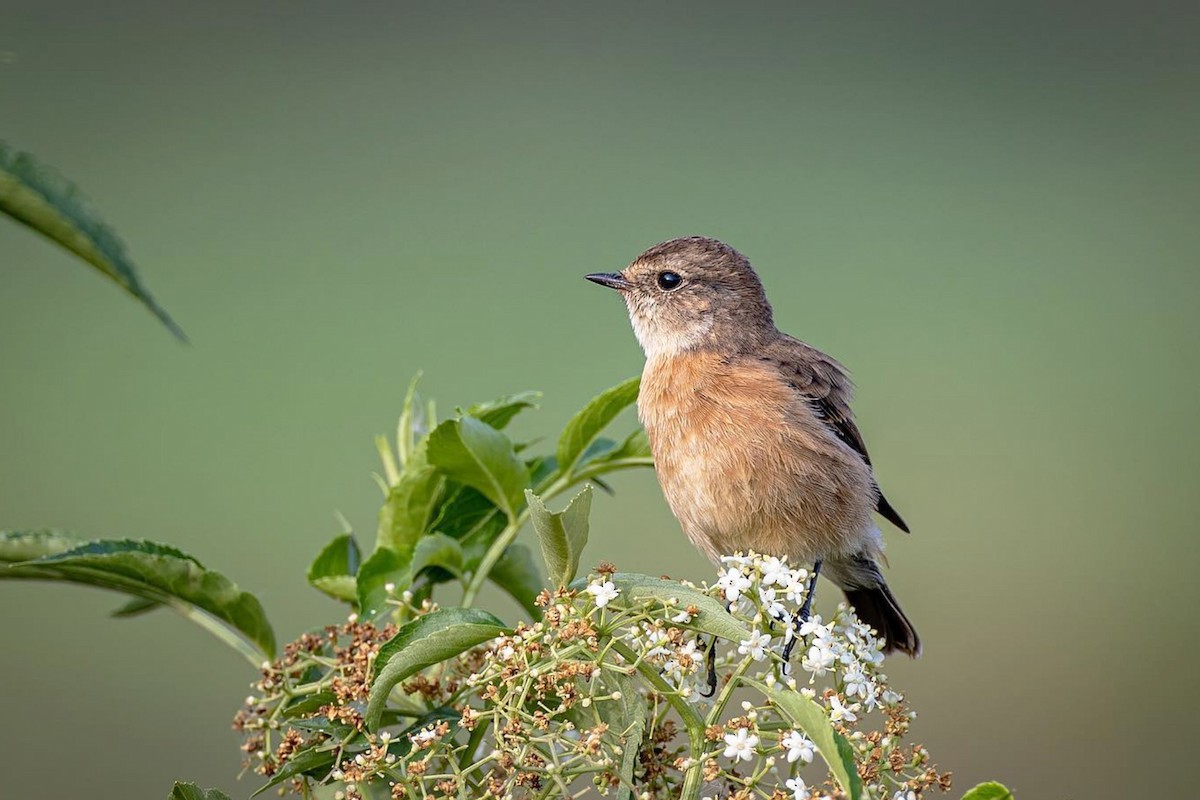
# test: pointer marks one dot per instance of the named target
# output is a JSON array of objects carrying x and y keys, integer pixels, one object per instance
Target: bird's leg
[
  {"x": 711, "y": 661},
  {"x": 805, "y": 611}
]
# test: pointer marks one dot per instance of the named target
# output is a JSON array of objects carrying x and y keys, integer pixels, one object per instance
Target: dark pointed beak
[{"x": 613, "y": 280}]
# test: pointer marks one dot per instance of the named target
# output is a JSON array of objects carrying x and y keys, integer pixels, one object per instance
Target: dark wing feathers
[{"x": 826, "y": 385}]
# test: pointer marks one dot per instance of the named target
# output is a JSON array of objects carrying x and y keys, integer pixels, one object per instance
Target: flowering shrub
[{"x": 617, "y": 684}]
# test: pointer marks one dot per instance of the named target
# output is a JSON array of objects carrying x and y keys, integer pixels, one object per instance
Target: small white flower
[
  {"x": 838, "y": 712},
  {"x": 389, "y": 587},
  {"x": 733, "y": 583},
  {"x": 818, "y": 660},
  {"x": 774, "y": 572},
  {"x": 799, "y": 788},
  {"x": 857, "y": 684},
  {"x": 740, "y": 745},
  {"x": 771, "y": 605},
  {"x": 799, "y": 747},
  {"x": 603, "y": 593},
  {"x": 683, "y": 617},
  {"x": 756, "y": 646},
  {"x": 905, "y": 795}
]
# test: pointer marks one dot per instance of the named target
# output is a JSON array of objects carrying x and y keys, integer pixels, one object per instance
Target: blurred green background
[{"x": 988, "y": 211}]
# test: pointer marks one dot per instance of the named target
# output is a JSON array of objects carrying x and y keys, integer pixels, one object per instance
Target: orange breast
[{"x": 745, "y": 464}]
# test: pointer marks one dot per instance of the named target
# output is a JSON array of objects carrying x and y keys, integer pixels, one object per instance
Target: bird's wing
[{"x": 826, "y": 386}]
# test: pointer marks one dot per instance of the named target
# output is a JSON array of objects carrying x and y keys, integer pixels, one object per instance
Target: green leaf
[
  {"x": 190, "y": 791},
  {"x": 427, "y": 640},
  {"x": 712, "y": 618},
  {"x": 563, "y": 535},
  {"x": 310, "y": 761},
  {"x": 410, "y": 505},
  {"x": 517, "y": 573},
  {"x": 21, "y": 546},
  {"x": 35, "y": 195},
  {"x": 989, "y": 791},
  {"x": 333, "y": 570},
  {"x": 309, "y": 705},
  {"x": 437, "y": 550},
  {"x": 810, "y": 718},
  {"x": 475, "y": 453},
  {"x": 383, "y": 567},
  {"x": 166, "y": 575},
  {"x": 498, "y": 413},
  {"x": 627, "y": 716},
  {"x": 466, "y": 513},
  {"x": 585, "y": 427},
  {"x": 136, "y": 607}
]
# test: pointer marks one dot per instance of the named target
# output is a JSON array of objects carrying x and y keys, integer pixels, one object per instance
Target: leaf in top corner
[
  {"x": 35, "y": 195},
  {"x": 334, "y": 568},
  {"x": 562, "y": 534},
  {"x": 585, "y": 427},
  {"x": 475, "y": 453},
  {"x": 498, "y": 413}
]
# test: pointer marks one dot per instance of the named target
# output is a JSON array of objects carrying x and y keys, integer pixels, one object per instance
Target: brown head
[{"x": 692, "y": 293}]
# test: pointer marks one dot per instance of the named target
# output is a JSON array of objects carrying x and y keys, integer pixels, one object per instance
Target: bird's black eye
[{"x": 668, "y": 281}]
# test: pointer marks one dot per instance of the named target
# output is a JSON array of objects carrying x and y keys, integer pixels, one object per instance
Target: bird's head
[{"x": 689, "y": 293}]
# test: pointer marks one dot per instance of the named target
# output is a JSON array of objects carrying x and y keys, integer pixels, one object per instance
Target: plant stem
[
  {"x": 693, "y": 779},
  {"x": 727, "y": 691}
]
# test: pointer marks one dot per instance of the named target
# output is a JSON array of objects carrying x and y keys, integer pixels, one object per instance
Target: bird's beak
[{"x": 613, "y": 280}]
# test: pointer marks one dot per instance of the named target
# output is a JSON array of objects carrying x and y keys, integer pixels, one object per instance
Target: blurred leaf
[
  {"x": 333, "y": 570},
  {"x": 480, "y": 456},
  {"x": 517, "y": 573},
  {"x": 711, "y": 617},
  {"x": 384, "y": 566},
  {"x": 407, "y": 430},
  {"x": 309, "y": 705},
  {"x": 563, "y": 535},
  {"x": 310, "y": 761},
  {"x": 190, "y": 791},
  {"x": 498, "y": 413},
  {"x": 164, "y": 574},
  {"x": 410, "y": 505},
  {"x": 636, "y": 445},
  {"x": 989, "y": 791},
  {"x": 427, "y": 640},
  {"x": 17, "y": 546},
  {"x": 136, "y": 607},
  {"x": 437, "y": 550},
  {"x": 35, "y": 195},
  {"x": 811, "y": 718},
  {"x": 585, "y": 427}
]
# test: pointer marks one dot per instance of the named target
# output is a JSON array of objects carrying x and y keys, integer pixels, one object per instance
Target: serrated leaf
[
  {"x": 164, "y": 574},
  {"x": 383, "y": 567},
  {"x": 301, "y": 763},
  {"x": 333, "y": 570},
  {"x": 517, "y": 573},
  {"x": 585, "y": 427},
  {"x": 562, "y": 535},
  {"x": 135, "y": 608},
  {"x": 427, "y": 640},
  {"x": 35, "y": 195},
  {"x": 812, "y": 720},
  {"x": 28, "y": 545},
  {"x": 989, "y": 790},
  {"x": 190, "y": 791},
  {"x": 711, "y": 617},
  {"x": 498, "y": 413},
  {"x": 410, "y": 505},
  {"x": 478, "y": 455}
]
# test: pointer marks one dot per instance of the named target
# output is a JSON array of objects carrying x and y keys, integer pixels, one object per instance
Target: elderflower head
[{"x": 733, "y": 583}]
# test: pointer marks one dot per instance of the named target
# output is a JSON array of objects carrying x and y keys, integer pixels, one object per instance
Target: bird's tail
[{"x": 878, "y": 608}]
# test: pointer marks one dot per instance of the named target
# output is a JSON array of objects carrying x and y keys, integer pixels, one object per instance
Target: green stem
[
  {"x": 217, "y": 629},
  {"x": 693, "y": 779}
]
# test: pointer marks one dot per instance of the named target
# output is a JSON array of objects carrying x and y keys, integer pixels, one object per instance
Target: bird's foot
[
  {"x": 711, "y": 661},
  {"x": 804, "y": 613}
]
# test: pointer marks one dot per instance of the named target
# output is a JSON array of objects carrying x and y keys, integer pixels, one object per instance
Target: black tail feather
[{"x": 878, "y": 608}]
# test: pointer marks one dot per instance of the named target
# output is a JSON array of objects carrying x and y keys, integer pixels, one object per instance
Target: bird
[{"x": 751, "y": 431}]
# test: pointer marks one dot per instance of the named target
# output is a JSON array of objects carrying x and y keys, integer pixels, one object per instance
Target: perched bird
[{"x": 754, "y": 442}]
